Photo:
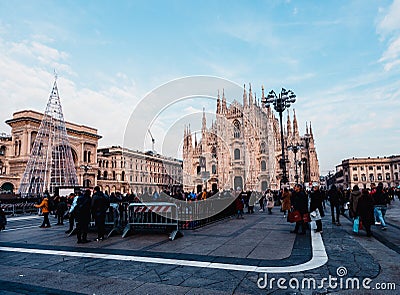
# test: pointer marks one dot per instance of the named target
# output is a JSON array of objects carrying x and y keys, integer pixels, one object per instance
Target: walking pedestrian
[
  {"x": 285, "y": 201},
  {"x": 82, "y": 216},
  {"x": 365, "y": 210},
  {"x": 60, "y": 211},
  {"x": 316, "y": 201},
  {"x": 380, "y": 205},
  {"x": 72, "y": 200},
  {"x": 239, "y": 204},
  {"x": 44, "y": 205},
  {"x": 100, "y": 205},
  {"x": 299, "y": 202},
  {"x": 354, "y": 197},
  {"x": 270, "y": 201},
  {"x": 335, "y": 200},
  {"x": 3, "y": 219}
]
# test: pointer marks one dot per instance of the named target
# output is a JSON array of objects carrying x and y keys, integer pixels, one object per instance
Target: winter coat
[
  {"x": 44, "y": 205},
  {"x": 299, "y": 201},
  {"x": 286, "y": 201},
  {"x": 82, "y": 209},
  {"x": 335, "y": 196},
  {"x": 100, "y": 204},
  {"x": 270, "y": 200},
  {"x": 365, "y": 209},
  {"x": 317, "y": 198},
  {"x": 239, "y": 203},
  {"x": 354, "y": 197}
]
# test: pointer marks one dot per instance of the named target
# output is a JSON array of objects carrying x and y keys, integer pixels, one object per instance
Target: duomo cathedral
[{"x": 242, "y": 149}]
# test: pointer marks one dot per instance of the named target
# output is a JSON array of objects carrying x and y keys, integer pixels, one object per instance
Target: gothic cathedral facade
[{"x": 242, "y": 149}]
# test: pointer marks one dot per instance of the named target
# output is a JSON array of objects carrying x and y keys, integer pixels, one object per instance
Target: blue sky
[{"x": 341, "y": 58}]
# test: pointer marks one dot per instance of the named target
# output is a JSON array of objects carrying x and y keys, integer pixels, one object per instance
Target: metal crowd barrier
[
  {"x": 195, "y": 214},
  {"x": 160, "y": 215},
  {"x": 19, "y": 208}
]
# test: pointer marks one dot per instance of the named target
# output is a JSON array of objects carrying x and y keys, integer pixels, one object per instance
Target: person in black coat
[
  {"x": 335, "y": 199},
  {"x": 365, "y": 209},
  {"x": 299, "y": 202},
  {"x": 82, "y": 216},
  {"x": 100, "y": 204},
  {"x": 317, "y": 199}
]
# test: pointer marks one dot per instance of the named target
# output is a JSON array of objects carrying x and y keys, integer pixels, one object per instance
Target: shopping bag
[
  {"x": 294, "y": 216},
  {"x": 356, "y": 224},
  {"x": 315, "y": 215},
  {"x": 306, "y": 217},
  {"x": 313, "y": 225}
]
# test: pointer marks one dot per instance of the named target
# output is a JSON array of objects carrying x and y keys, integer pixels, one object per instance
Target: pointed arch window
[
  {"x": 236, "y": 154},
  {"x": 236, "y": 129},
  {"x": 263, "y": 165},
  {"x": 263, "y": 148}
]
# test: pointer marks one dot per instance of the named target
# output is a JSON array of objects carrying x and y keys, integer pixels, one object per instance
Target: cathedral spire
[
  {"x": 204, "y": 122},
  {"x": 224, "y": 109},
  {"x": 250, "y": 95},
  {"x": 244, "y": 96},
  {"x": 289, "y": 126},
  {"x": 306, "y": 128},
  {"x": 311, "y": 130},
  {"x": 218, "y": 104},
  {"x": 295, "y": 127}
]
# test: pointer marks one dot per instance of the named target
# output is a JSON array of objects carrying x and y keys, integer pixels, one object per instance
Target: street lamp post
[
  {"x": 281, "y": 102},
  {"x": 295, "y": 148}
]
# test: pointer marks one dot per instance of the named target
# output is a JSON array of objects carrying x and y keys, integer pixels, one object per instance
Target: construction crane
[{"x": 152, "y": 141}]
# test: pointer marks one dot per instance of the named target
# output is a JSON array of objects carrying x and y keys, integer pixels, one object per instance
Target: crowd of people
[
  {"x": 79, "y": 209},
  {"x": 365, "y": 207}
]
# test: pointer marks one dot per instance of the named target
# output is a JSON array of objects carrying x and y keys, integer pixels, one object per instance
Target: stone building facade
[
  {"x": 16, "y": 149},
  {"x": 113, "y": 168},
  {"x": 242, "y": 148},
  {"x": 364, "y": 171},
  {"x": 128, "y": 171}
]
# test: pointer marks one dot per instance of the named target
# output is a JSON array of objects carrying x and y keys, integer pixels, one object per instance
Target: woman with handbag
[
  {"x": 299, "y": 203},
  {"x": 317, "y": 198}
]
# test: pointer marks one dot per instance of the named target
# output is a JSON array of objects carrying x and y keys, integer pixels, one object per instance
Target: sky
[{"x": 341, "y": 58}]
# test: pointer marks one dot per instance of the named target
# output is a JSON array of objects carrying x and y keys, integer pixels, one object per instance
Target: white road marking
[
  {"x": 16, "y": 218},
  {"x": 19, "y": 228},
  {"x": 319, "y": 258}
]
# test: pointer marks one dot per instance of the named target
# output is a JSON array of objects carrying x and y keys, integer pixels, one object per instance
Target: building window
[
  {"x": 371, "y": 177},
  {"x": 123, "y": 176},
  {"x": 237, "y": 154},
  {"x": 387, "y": 167},
  {"x": 379, "y": 168},
  {"x": 354, "y": 168},
  {"x": 370, "y": 168},
  {"x": 214, "y": 169},
  {"x": 236, "y": 129},
  {"x": 113, "y": 175},
  {"x": 105, "y": 175},
  {"x": 379, "y": 176},
  {"x": 263, "y": 148},
  {"x": 396, "y": 176},
  {"x": 263, "y": 165},
  {"x": 85, "y": 156},
  {"x": 363, "y": 177},
  {"x": 387, "y": 176},
  {"x": 395, "y": 166},
  {"x": 362, "y": 168},
  {"x": 355, "y": 177}
]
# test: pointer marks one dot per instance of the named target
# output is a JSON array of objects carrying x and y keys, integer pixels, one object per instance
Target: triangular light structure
[{"x": 50, "y": 164}]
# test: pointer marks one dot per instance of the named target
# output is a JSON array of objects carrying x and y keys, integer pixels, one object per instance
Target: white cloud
[
  {"x": 389, "y": 27},
  {"x": 26, "y": 78}
]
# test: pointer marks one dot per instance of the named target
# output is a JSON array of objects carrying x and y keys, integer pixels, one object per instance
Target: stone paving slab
[{"x": 361, "y": 256}]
